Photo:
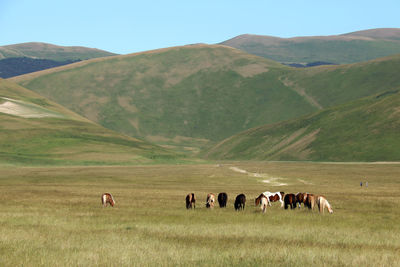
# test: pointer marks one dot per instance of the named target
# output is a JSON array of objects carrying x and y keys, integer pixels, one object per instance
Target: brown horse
[
  {"x": 263, "y": 201},
  {"x": 310, "y": 201},
  {"x": 301, "y": 198},
  {"x": 290, "y": 200},
  {"x": 107, "y": 198},
  {"x": 210, "y": 200},
  {"x": 190, "y": 201},
  {"x": 323, "y": 203}
]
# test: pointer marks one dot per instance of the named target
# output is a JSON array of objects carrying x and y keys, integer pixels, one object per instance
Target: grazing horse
[
  {"x": 290, "y": 200},
  {"x": 222, "y": 199},
  {"x": 323, "y": 203},
  {"x": 240, "y": 202},
  {"x": 107, "y": 198},
  {"x": 263, "y": 201},
  {"x": 210, "y": 200},
  {"x": 190, "y": 201},
  {"x": 301, "y": 198},
  {"x": 275, "y": 196},
  {"x": 310, "y": 201}
]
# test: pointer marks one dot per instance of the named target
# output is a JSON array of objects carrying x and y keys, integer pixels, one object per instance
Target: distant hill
[
  {"x": 15, "y": 66},
  {"x": 337, "y": 49},
  {"x": 364, "y": 130},
  {"x": 185, "y": 98},
  {"x": 51, "y": 52},
  {"x": 30, "y": 57},
  {"x": 36, "y": 131}
]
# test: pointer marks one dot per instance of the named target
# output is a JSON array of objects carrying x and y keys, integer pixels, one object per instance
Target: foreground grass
[{"x": 53, "y": 216}]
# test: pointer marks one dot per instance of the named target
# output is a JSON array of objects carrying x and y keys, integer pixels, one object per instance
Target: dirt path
[{"x": 270, "y": 180}]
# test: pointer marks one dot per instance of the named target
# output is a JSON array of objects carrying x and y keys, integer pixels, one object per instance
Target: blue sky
[{"x": 132, "y": 26}]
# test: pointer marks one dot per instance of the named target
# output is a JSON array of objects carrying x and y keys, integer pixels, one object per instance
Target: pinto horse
[
  {"x": 263, "y": 201},
  {"x": 290, "y": 200},
  {"x": 222, "y": 199},
  {"x": 210, "y": 200},
  {"x": 323, "y": 203},
  {"x": 275, "y": 196},
  {"x": 107, "y": 198},
  {"x": 240, "y": 202},
  {"x": 190, "y": 201}
]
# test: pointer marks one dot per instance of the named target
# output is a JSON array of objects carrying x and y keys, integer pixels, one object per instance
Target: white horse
[
  {"x": 275, "y": 196},
  {"x": 323, "y": 203}
]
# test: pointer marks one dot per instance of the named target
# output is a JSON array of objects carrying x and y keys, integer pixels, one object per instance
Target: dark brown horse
[
  {"x": 222, "y": 199},
  {"x": 107, "y": 198},
  {"x": 190, "y": 201},
  {"x": 290, "y": 200},
  {"x": 240, "y": 202}
]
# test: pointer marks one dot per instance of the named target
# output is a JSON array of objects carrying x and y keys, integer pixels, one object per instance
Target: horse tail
[
  {"x": 257, "y": 201},
  {"x": 112, "y": 199}
]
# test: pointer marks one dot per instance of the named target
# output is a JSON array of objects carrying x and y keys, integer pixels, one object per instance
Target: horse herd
[{"x": 264, "y": 200}]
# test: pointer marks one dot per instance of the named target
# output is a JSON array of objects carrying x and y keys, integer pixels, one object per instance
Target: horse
[
  {"x": 310, "y": 201},
  {"x": 210, "y": 200},
  {"x": 323, "y": 203},
  {"x": 107, "y": 198},
  {"x": 275, "y": 196},
  {"x": 240, "y": 202},
  {"x": 301, "y": 198},
  {"x": 222, "y": 199},
  {"x": 263, "y": 200},
  {"x": 290, "y": 200},
  {"x": 190, "y": 201}
]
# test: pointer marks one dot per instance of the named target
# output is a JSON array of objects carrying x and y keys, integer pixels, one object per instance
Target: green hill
[
  {"x": 363, "y": 130},
  {"x": 186, "y": 97},
  {"x": 181, "y": 97},
  {"x": 340, "y": 49},
  {"x": 36, "y": 131},
  {"x": 51, "y": 52}
]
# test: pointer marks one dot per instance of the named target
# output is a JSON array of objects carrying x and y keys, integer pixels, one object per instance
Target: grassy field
[{"x": 53, "y": 216}]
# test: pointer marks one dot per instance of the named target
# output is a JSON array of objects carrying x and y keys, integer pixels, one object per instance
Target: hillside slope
[
  {"x": 181, "y": 96},
  {"x": 36, "y": 131},
  {"x": 339, "y": 49},
  {"x": 186, "y": 97},
  {"x": 50, "y": 51},
  {"x": 364, "y": 130}
]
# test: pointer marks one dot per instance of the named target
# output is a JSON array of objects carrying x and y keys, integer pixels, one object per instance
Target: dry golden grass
[{"x": 53, "y": 216}]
